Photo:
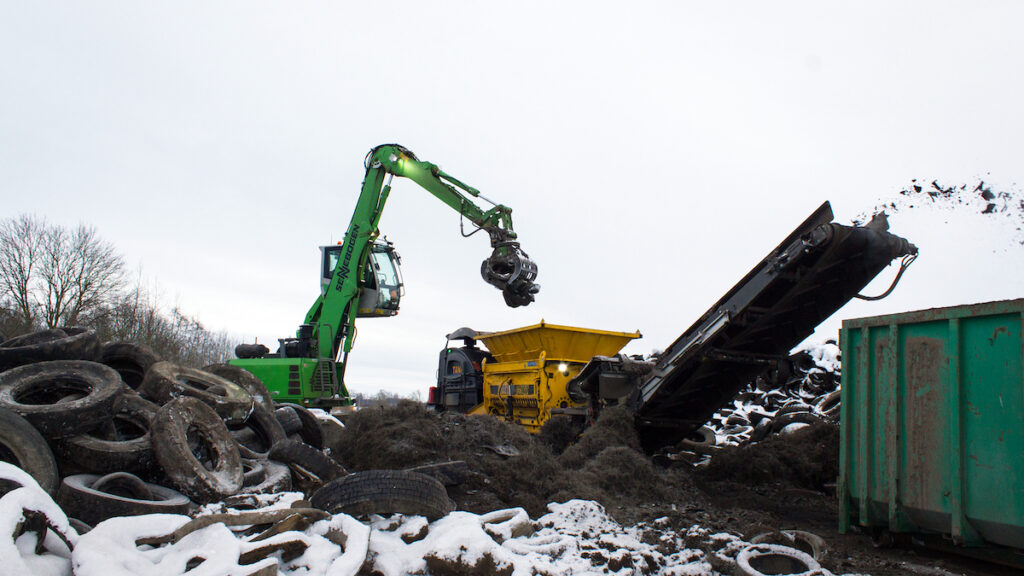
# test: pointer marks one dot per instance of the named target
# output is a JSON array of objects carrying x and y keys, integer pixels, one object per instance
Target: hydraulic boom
[{"x": 361, "y": 278}]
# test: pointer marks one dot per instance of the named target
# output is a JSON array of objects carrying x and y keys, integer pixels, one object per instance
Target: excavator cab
[{"x": 381, "y": 283}]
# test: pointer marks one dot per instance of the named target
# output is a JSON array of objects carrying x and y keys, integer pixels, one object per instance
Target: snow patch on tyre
[{"x": 17, "y": 546}]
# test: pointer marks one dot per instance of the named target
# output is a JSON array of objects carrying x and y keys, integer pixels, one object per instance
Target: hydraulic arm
[
  {"x": 361, "y": 278},
  {"x": 508, "y": 268}
]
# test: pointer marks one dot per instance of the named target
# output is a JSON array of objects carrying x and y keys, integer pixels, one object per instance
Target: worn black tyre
[
  {"x": 795, "y": 407},
  {"x": 266, "y": 477},
  {"x": 309, "y": 429},
  {"x": 131, "y": 361},
  {"x": 23, "y": 446},
  {"x": 288, "y": 418},
  {"x": 258, "y": 434},
  {"x": 806, "y": 542},
  {"x": 384, "y": 492},
  {"x": 93, "y": 499},
  {"x": 246, "y": 380},
  {"x": 253, "y": 471},
  {"x": 738, "y": 419},
  {"x": 63, "y": 397},
  {"x": 829, "y": 406},
  {"x": 450, "y": 473},
  {"x": 196, "y": 451},
  {"x": 79, "y": 526},
  {"x": 34, "y": 338},
  {"x": 122, "y": 444},
  {"x": 701, "y": 441},
  {"x": 165, "y": 381},
  {"x": 765, "y": 559},
  {"x": 794, "y": 418},
  {"x": 307, "y": 459},
  {"x": 737, "y": 434},
  {"x": 46, "y": 345},
  {"x": 761, "y": 430}
]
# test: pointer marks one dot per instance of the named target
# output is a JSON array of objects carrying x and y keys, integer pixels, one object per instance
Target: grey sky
[{"x": 652, "y": 152}]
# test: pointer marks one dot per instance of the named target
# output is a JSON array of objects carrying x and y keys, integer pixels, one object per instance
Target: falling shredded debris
[{"x": 979, "y": 198}]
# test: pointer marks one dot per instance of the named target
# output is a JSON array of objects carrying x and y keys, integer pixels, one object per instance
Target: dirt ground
[{"x": 784, "y": 482}]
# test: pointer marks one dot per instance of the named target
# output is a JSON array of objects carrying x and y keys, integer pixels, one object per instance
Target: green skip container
[{"x": 932, "y": 427}]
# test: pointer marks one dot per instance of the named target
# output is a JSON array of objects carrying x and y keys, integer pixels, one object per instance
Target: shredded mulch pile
[
  {"x": 605, "y": 464},
  {"x": 784, "y": 482},
  {"x": 807, "y": 458}
]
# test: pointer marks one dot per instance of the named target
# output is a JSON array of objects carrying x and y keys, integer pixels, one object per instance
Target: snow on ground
[{"x": 577, "y": 537}]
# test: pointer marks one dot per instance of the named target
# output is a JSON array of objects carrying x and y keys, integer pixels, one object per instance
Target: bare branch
[
  {"x": 56, "y": 276},
  {"x": 21, "y": 246},
  {"x": 95, "y": 272}
]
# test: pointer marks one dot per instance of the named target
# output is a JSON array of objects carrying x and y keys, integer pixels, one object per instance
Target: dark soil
[
  {"x": 784, "y": 482},
  {"x": 604, "y": 464},
  {"x": 807, "y": 458}
]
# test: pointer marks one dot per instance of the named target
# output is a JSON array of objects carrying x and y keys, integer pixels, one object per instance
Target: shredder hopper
[
  {"x": 522, "y": 377},
  {"x": 566, "y": 343}
]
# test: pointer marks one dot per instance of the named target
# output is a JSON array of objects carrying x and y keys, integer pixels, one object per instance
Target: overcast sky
[{"x": 652, "y": 152}]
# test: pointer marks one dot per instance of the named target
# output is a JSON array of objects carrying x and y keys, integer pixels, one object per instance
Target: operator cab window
[
  {"x": 384, "y": 275},
  {"x": 331, "y": 254},
  {"x": 384, "y": 269}
]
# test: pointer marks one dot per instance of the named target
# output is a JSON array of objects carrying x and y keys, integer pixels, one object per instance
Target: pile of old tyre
[
  {"x": 802, "y": 391},
  {"x": 111, "y": 430}
]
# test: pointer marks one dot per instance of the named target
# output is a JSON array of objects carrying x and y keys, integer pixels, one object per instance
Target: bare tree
[
  {"x": 22, "y": 242},
  {"x": 56, "y": 276},
  {"x": 81, "y": 275}
]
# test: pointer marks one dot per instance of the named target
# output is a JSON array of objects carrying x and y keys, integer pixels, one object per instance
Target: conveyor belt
[{"x": 815, "y": 271}]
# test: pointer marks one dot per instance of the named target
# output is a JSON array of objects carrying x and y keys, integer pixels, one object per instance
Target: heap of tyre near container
[{"x": 111, "y": 431}]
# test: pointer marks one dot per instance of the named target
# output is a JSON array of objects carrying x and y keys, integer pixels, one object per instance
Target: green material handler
[{"x": 361, "y": 278}]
